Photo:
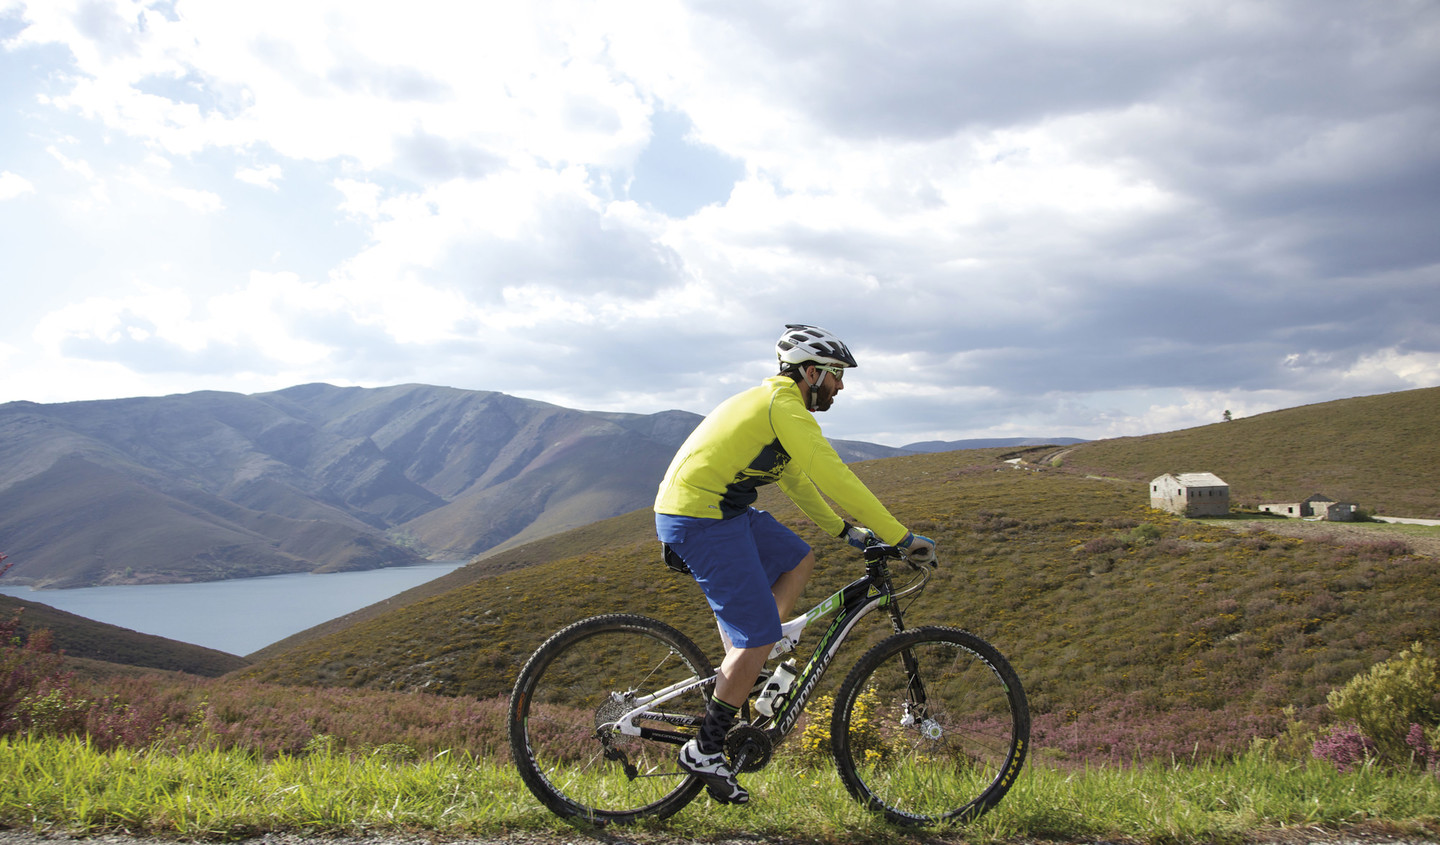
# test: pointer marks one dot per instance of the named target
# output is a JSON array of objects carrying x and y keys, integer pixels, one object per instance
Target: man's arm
[{"x": 813, "y": 456}]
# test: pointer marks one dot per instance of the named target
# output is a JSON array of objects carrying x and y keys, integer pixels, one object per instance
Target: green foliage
[
  {"x": 1293, "y": 744},
  {"x": 67, "y": 788},
  {"x": 1387, "y": 700},
  {"x": 866, "y": 740},
  {"x": 55, "y": 711}
]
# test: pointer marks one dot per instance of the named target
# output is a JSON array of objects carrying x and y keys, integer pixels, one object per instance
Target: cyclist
[{"x": 750, "y": 567}]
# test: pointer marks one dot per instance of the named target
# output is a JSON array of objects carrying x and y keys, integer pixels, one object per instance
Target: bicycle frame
[{"x": 853, "y": 602}]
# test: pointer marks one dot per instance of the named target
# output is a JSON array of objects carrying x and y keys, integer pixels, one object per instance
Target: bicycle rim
[
  {"x": 944, "y": 742},
  {"x": 562, "y": 715}
]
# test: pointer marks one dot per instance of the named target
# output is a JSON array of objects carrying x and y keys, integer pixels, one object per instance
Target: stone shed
[
  {"x": 1318, "y": 506},
  {"x": 1191, "y": 494}
]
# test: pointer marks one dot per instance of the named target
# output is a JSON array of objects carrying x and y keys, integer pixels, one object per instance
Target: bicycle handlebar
[{"x": 884, "y": 551}]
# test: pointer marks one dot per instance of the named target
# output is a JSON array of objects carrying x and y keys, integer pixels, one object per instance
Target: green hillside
[
  {"x": 1380, "y": 452},
  {"x": 1281, "y": 456},
  {"x": 1100, "y": 602},
  {"x": 95, "y": 648}
]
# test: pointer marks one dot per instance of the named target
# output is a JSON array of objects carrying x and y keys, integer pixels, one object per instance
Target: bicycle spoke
[
  {"x": 564, "y": 731},
  {"x": 927, "y": 729}
]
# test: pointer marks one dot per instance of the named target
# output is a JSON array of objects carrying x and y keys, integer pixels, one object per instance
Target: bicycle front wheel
[
  {"x": 565, "y": 732},
  {"x": 930, "y": 725}
]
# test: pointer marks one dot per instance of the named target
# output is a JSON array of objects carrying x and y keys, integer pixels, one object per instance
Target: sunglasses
[{"x": 837, "y": 372}]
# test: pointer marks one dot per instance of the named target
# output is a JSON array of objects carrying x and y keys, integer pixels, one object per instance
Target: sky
[{"x": 1086, "y": 219}]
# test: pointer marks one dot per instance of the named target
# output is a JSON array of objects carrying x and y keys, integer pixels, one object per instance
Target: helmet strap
[{"x": 814, "y": 402}]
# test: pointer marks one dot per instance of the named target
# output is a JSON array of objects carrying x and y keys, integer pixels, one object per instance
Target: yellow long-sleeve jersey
[{"x": 761, "y": 436}]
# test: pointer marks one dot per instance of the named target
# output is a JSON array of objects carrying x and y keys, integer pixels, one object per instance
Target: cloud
[
  {"x": 13, "y": 185},
  {"x": 264, "y": 176},
  {"x": 1082, "y": 219}
]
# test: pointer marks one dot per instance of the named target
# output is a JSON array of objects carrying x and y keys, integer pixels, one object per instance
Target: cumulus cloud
[
  {"x": 1083, "y": 219},
  {"x": 13, "y": 185},
  {"x": 265, "y": 176}
]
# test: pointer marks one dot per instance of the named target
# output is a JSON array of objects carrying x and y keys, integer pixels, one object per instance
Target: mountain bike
[{"x": 931, "y": 724}]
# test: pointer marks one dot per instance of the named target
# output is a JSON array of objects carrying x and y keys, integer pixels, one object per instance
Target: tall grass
[
  {"x": 67, "y": 786},
  {"x": 230, "y": 759}
]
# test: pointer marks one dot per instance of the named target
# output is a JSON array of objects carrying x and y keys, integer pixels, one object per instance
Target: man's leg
[
  {"x": 788, "y": 587},
  {"x": 738, "y": 672},
  {"x": 704, "y": 756},
  {"x": 742, "y": 666}
]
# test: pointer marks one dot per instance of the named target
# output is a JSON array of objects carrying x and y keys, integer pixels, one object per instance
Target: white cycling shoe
[{"x": 714, "y": 772}]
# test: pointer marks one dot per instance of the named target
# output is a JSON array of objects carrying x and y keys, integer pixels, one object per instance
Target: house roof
[{"x": 1197, "y": 479}]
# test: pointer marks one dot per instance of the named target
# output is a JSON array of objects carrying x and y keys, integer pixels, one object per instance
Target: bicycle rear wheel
[
  {"x": 563, "y": 735},
  {"x": 930, "y": 725}
]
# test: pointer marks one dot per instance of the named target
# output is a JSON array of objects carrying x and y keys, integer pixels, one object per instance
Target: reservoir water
[{"x": 241, "y": 615}]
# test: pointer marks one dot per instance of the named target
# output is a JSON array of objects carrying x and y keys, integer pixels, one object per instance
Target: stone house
[
  {"x": 1318, "y": 506},
  {"x": 1190, "y": 494}
]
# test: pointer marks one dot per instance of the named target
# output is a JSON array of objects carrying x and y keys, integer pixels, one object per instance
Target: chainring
[{"x": 751, "y": 743}]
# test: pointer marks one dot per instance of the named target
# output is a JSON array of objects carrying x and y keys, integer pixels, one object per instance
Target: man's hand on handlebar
[
  {"x": 918, "y": 549},
  {"x": 860, "y": 538}
]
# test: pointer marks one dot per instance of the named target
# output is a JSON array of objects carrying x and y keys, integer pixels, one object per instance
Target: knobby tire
[
  {"x": 931, "y": 725},
  {"x": 573, "y": 687}
]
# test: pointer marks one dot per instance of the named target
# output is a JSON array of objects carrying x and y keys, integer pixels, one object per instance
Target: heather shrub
[
  {"x": 1379, "y": 551},
  {"x": 1344, "y": 746},
  {"x": 35, "y": 692},
  {"x": 1385, "y": 702},
  {"x": 1101, "y": 545},
  {"x": 1130, "y": 730},
  {"x": 1424, "y": 746}
]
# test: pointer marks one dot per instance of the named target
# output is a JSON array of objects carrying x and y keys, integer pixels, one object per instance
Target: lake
[{"x": 240, "y": 615}]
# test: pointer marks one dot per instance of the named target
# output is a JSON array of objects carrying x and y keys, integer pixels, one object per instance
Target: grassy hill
[
  {"x": 95, "y": 648},
  {"x": 1380, "y": 452},
  {"x": 1104, "y": 606}
]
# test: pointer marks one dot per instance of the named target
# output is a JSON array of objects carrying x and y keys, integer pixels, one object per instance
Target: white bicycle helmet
[{"x": 802, "y": 344}]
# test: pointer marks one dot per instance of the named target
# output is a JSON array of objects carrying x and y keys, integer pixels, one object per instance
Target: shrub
[
  {"x": 1388, "y": 699},
  {"x": 1345, "y": 746},
  {"x": 1143, "y": 535},
  {"x": 1296, "y": 742},
  {"x": 34, "y": 688},
  {"x": 866, "y": 740},
  {"x": 1422, "y": 745}
]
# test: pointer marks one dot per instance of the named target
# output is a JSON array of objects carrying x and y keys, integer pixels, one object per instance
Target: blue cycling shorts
[{"x": 735, "y": 561}]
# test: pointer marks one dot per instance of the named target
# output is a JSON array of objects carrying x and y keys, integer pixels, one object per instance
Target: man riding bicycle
[{"x": 750, "y": 567}]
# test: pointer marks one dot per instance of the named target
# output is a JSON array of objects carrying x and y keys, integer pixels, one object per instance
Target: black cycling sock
[{"x": 719, "y": 719}]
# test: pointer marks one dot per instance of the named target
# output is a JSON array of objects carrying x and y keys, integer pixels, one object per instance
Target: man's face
[{"x": 829, "y": 386}]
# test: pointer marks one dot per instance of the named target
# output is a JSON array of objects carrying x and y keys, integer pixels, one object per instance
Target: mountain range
[
  {"x": 314, "y": 478},
  {"x": 1044, "y": 555}
]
